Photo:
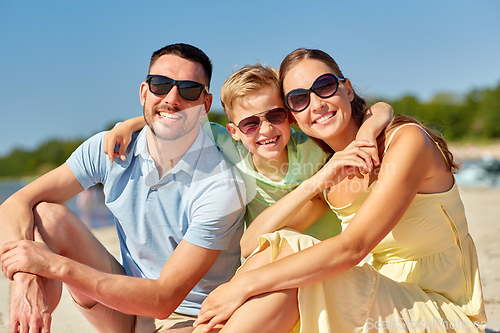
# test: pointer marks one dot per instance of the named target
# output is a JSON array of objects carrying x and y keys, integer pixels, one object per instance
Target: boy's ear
[{"x": 231, "y": 128}]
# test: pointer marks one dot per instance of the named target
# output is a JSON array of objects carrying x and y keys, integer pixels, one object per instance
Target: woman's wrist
[
  {"x": 311, "y": 186},
  {"x": 247, "y": 284}
]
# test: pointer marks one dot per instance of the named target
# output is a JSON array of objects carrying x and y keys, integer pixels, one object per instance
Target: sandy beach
[{"x": 482, "y": 209}]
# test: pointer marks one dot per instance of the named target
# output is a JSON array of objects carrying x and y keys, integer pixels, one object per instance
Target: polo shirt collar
[{"x": 187, "y": 162}]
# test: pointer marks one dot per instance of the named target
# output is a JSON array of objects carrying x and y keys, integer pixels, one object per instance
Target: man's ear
[
  {"x": 207, "y": 103},
  {"x": 143, "y": 90},
  {"x": 350, "y": 91},
  {"x": 231, "y": 128}
]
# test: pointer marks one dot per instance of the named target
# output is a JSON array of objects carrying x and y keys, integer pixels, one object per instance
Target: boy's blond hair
[{"x": 248, "y": 79}]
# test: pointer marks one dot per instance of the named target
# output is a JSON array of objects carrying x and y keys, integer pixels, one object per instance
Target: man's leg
[{"x": 65, "y": 234}]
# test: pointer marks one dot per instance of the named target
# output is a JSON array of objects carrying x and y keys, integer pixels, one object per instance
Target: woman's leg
[{"x": 271, "y": 312}]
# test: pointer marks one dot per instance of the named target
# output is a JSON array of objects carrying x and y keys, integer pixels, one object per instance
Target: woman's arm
[
  {"x": 404, "y": 168},
  {"x": 121, "y": 135},
  {"x": 303, "y": 201}
]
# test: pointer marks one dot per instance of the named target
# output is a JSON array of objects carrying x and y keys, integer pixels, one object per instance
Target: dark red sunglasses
[{"x": 251, "y": 124}]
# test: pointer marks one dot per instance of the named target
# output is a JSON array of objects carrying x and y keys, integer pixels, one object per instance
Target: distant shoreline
[{"x": 470, "y": 151}]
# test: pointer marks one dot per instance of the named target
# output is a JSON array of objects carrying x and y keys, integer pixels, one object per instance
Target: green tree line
[
  {"x": 473, "y": 117},
  {"x": 51, "y": 154}
]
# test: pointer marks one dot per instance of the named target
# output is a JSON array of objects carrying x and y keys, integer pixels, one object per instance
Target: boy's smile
[{"x": 269, "y": 141}]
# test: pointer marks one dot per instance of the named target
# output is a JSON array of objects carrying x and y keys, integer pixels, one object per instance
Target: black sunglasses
[
  {"x": 251, "y": 124},
  {"x": 324, "y": 86},
  {"x": 161, "y": 85}
]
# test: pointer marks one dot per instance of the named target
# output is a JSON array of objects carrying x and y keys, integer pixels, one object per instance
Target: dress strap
[
  {"x": 325, "y": 195},
  {"x": 397, "y": 129}
]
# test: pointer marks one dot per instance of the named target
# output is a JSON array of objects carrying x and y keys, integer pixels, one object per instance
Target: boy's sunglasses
[
  {"x": 161, "y": 85},
  {"x": 324, "y": 86},
  {"x": 251, "y": 124}
]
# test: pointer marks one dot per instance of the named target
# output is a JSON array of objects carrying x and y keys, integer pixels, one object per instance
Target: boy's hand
[
  {"x": 375, "y": 119},
  {"x": 373, "y": 150},
  {"x": 120, "y": 135}
]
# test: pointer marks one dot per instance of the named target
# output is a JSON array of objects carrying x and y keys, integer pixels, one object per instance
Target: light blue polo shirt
[{"x": 200, "y": 200}]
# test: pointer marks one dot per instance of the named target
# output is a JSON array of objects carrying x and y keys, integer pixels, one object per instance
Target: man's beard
[{"x": 171, "y": 131}]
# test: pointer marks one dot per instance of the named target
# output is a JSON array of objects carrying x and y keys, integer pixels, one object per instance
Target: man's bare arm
[
  {"x": 153, "y": 298},
  {"x": 16, "y": 213},
  {"x": 30, "y": 305}
]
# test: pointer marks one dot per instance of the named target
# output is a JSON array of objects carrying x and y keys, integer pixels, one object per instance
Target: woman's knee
[
  {"x": 285, "y": 252},
  {"x": 258, "y": 260}
]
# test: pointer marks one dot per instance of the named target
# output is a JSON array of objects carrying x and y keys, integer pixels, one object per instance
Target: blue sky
[{"x": 70, "y": 68}]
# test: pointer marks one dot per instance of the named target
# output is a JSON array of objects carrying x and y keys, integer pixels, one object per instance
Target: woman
[{"x": 407, "y": 213}]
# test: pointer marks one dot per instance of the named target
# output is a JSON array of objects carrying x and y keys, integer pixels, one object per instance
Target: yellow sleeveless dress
[{"x": 424, "y": 275}]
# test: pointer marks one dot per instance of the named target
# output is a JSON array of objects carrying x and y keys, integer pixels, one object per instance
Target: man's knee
[
  {"x": 47, "y": 213},
  {"x": 52, "y": 221}
]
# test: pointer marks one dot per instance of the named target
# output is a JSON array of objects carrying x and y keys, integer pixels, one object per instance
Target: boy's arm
[
  {"x": 121, "y": 135},
  {"x": 375, "y": 119}
]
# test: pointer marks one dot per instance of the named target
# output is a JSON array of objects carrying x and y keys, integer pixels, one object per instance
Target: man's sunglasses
[
  {"x": 324, "y": 86},
  {"x": 251, "y": 124},
  {"x": 161, "y": 85}
]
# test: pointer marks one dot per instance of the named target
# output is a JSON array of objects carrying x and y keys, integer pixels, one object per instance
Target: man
[{"x": 177, "y": 204}]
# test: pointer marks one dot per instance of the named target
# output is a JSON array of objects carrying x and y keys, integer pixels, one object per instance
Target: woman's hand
[
  {"x": 220, "y": 304},
  {"x": 121, "y": 135},
  {"x": 27, "y": 256},
  {"x": 351, "y": 162}
]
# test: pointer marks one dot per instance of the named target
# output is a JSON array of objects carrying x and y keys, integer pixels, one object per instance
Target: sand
[{"x": 483, "y": 212}]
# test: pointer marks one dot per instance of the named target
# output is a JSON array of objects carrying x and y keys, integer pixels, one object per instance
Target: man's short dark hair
[{"x": 188, "y": 52}]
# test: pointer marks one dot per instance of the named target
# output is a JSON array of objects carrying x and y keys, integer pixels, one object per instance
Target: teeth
[
  {"x": 169, "y": 115},
  {"x": 268, "y": 141},
  {"x": 328, "y": 116}
]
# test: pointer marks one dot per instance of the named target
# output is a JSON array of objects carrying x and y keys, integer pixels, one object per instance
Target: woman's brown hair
[{"x": 401, "y": 119}]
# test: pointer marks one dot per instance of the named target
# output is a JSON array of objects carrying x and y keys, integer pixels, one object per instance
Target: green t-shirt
[{"x": 305, "y": 158}]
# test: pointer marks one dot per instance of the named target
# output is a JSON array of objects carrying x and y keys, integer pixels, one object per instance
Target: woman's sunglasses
[
  {"x": 324, "y": 86},
  {"x": 161, "y": 85},
  {"x": 251, "y": 124}
]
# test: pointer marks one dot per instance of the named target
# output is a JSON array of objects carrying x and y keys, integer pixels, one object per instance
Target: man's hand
[
  {"x": 29, "y": 308},
  {"x": 27, "y": 256}
]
